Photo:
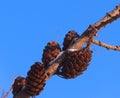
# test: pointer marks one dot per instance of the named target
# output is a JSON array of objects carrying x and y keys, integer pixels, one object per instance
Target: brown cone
[
  {"x": 18, "y": 85},
  {"x": 35, "y": 80},
  {"x": 52, "y": 49},
  {"x": 68, "y": 38},
  {"x": 75, "y": 63}
]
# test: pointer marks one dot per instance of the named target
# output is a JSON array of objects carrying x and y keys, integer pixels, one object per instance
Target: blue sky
[{"x": 25, "y": 28}]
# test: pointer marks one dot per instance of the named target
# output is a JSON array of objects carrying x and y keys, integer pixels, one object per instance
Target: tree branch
[
  {"x": 84, "y": 38},
  {"x": 6, "y": 95},
  {"x": 105, "y": 45},
  {"x": 93, "y": 29},
  {"x": 8, "y": 92}
]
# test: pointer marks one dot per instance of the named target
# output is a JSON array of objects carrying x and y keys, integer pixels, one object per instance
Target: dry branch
[
  {"x": 87, "y": 36},
  {"x": 7, "y": 93},
  {"x": 93, "y": 29},
  {"x": 105, "y": 45}
]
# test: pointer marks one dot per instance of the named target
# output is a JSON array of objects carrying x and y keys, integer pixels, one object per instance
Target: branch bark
[{"x": 87, "y": 35}]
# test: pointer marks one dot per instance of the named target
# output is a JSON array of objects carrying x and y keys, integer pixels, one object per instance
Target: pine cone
[
  {"x": 52, "y": 49},
  {"x": 69, "y": 38},
  {"x": 18, "y": 85},
  {"x": 75, "y": 63},
  {"x": 35, "y": 80}
]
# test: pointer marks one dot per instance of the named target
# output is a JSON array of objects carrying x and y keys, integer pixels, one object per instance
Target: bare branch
[
  {"x": 6, "y": 95},
  {"x": 105, "y": 45},
  {"x": 8, "y": 92},
  {"x": 84, "y": 38},
  {"x": 93, "y": 29},
  {"x": 109, "y": 18},
  {"x": 2, "y": 94}
]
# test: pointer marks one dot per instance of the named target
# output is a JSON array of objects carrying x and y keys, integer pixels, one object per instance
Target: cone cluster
[
  {"x": 18, "y": 84},
  {"x": 35, "y": 80},
  {"x": 69, "y": 38},
  {"x": 50, "y": 52},
  {"x": 75, "y": 63}
]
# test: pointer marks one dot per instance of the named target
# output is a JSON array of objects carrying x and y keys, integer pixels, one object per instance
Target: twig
[
  {"x": 6, "y": 95},
  {"x": 2, "y": 94},
  {"x": 105, "y": 45},
  {"x": 9, "y": 91}
]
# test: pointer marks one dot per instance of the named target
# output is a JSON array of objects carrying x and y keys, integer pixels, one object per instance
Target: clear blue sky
[{"x": 27, "y": 25}]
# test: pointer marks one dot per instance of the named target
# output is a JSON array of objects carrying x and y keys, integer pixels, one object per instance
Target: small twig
[
  {"x": 105, "y": 45},
  {"x": 2, "y": 94},
  {"x": 6, "y": 95},
  {"x": 8, "y": 92}
]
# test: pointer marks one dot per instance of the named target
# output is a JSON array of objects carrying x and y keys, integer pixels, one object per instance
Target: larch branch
[
  {"x": 87, "y": 36},
  {"x": 6, "y": 95},
  {"x": 107, "y": 46},
  {"x": 93, "y": 29}
]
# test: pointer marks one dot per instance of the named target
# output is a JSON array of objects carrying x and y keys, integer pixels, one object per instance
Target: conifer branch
[
  {"x": 107, "y": 46},
  {"x": 86, "y": 37}
]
